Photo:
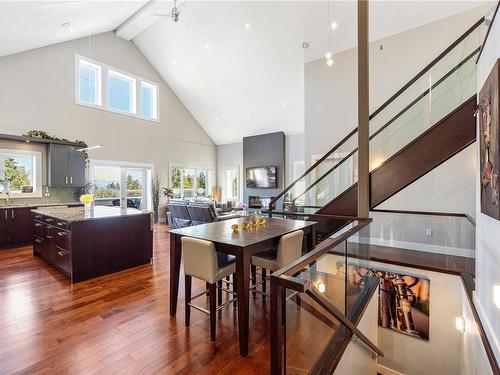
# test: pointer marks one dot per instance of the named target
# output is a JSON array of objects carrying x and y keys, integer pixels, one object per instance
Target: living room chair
[
  {"x": 289, "y": 250},
  {"x": 202, "y": 261}
]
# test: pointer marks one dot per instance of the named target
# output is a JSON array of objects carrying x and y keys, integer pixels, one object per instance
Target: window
[
  {"x": 121, "y": 92},
  {"x": 20, "y": 173},
  {"x": 148, "y": 100},
  {"x": 107, "y": 182},
  {"x": 189, "y": 182},
  {"x": 100, "y": 86},
  {"x": 232, "y": 184},
  {"x": 130, "y": 183},
  {"x": 89, "y": 78}
]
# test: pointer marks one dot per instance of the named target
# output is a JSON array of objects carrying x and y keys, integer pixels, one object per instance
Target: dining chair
[
  {"x": 289, "y": 249},
  {"x": 202, "y": 261}
]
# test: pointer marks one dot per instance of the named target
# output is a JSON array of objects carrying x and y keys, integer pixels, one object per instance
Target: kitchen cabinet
[
  {"x": 66, "y": 166},
  {"x": 83, "y": 246},
  {"x": 52, "y": 242},
  {"x": 15, "y": 225},
  {"x": 22, "y": 221},
  {"x": 5, "y": 226}
]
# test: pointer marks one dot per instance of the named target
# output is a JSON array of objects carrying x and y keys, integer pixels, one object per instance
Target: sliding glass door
[{"x": 117, "y": 184}]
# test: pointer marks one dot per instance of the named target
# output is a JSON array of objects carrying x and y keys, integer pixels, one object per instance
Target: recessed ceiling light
[
  {"x": 174, "y": 62},
  {"x": 248, "y": 113},
  {"x": 206, "y": 46},
  {"x": 247, "y": 26},
  {"x": 216, "y": 119},
  {"x": 305, "y": 44},
  {"x": 285, "y": 104},
  {"x": 65, "y": 24},
  {"x": 334, "y": 25}
]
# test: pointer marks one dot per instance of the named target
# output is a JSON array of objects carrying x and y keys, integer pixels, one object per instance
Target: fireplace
[{"x": 255, "y": 201}]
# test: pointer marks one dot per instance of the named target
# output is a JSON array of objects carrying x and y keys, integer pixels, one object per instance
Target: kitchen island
[{"x": 86, "y": 244}]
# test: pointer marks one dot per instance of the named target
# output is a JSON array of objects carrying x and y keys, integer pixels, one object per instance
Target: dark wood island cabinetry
[{"x": 84, "y": 245}]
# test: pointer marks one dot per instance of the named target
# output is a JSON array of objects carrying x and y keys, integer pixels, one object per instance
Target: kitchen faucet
[{"x": 6, "y": 189}]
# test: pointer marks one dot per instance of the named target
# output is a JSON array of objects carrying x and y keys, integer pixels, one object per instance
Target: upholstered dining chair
[
  {"x": 289, "y": 249},
  {"x": 202, "y": 261}
]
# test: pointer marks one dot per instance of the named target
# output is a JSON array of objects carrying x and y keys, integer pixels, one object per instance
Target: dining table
[{"x": 242, "y": 244}]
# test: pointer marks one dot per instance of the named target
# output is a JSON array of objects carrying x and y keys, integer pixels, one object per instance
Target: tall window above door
[
  {"x": 232, "y": 184},
  {"x": 100, "y": 86}
]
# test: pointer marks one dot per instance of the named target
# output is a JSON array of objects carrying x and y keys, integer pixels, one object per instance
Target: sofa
[{"x": 180, "y": 215}]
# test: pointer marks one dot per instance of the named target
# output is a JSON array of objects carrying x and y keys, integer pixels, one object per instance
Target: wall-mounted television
[{"x": 262, "y": 177}]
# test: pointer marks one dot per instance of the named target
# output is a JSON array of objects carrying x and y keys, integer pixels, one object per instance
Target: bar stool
[
  {"x": 203, "y": 262},
  {"x": 289, "y": 250}
]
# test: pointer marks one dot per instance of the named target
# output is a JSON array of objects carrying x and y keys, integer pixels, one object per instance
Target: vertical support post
[
  {"x": 363, "y": 111},
  {"x": 277, "y": 295}
]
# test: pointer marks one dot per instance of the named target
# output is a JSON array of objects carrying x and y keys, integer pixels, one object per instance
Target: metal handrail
[{"x": 378, "y": 110}]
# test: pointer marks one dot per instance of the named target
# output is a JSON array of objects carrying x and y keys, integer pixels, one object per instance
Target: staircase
[{"x": 424, "y": 124}]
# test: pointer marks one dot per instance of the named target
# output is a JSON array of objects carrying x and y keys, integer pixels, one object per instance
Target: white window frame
[
  {"x": 98, "y": 93},
  {"x": 37, "y": 173},
  {"x": 133, "y": 91},
  {"x": 226, "y": 183},
  {"x": 103, "y": 86},
  {"x": 148, "y": 170},
  {"x": 195, "y": 168},
  {"x": 154, "y": 98}
]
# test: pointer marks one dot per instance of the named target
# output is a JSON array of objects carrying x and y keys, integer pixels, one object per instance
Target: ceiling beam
[{"x": 141, "y": 20}]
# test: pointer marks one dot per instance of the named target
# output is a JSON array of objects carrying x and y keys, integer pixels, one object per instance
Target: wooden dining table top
[{"x": 221, "y": 231}]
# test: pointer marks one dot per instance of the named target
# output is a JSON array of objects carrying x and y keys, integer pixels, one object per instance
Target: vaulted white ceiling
[
  {"x": 237, "y": 66},
  {"x": 26, "y": 25}
]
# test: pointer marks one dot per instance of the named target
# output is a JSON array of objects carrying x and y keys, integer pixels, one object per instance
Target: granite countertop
[
  {"x": 33, "y": 205},
  {"x": 75, "y": 214}
]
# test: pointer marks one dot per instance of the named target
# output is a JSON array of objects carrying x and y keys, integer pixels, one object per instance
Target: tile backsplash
[{"x": 57, "y": 195}]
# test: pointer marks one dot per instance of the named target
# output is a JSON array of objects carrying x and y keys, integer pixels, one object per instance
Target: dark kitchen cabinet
[
  {"x": 52, "y": 242},
  {"x": 22, "y": 225},
  {"x": 66, "y": 166},
  {"x": 15, "y": 225},
  {"x": 5, "y": 226}
]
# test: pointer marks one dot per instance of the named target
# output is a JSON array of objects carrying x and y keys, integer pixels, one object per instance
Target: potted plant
[{"x": 168, "y": 193}]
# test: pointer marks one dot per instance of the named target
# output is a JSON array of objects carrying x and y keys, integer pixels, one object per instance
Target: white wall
[
  {"x": 230, "y": 155},
  {"x": 451, "y": 187},
  {"x": 294, "y": 151},
  {"x": 37, "y": 92},
  {"x": 488, "y": 229},
  {"x": 331, "y": 106}
]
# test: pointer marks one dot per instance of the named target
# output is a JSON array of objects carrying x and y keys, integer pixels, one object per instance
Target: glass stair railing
[{"x": 440, "y": 88}]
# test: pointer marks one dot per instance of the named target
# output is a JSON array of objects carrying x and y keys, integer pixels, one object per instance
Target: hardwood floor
[{"x": 118, "y": 323}]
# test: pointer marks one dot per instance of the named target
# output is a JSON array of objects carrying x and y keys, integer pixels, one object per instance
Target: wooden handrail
[
  {"x": 427, "y": 213},
  {"x": 378, "y": 110},
  {"x": 321, "y": 300},
  {"x": 321, "y": 249},
  {"x": 468, "y": 284},
  {"x": 314, "y": 215}
]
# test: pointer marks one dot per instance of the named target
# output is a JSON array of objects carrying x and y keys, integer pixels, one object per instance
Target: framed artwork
[
  {"x": 489, "y": 137},
  {"x": 404, "y": 301}
]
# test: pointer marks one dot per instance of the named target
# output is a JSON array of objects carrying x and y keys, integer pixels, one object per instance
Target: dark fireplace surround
[{"x": 255, "y": 201}]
